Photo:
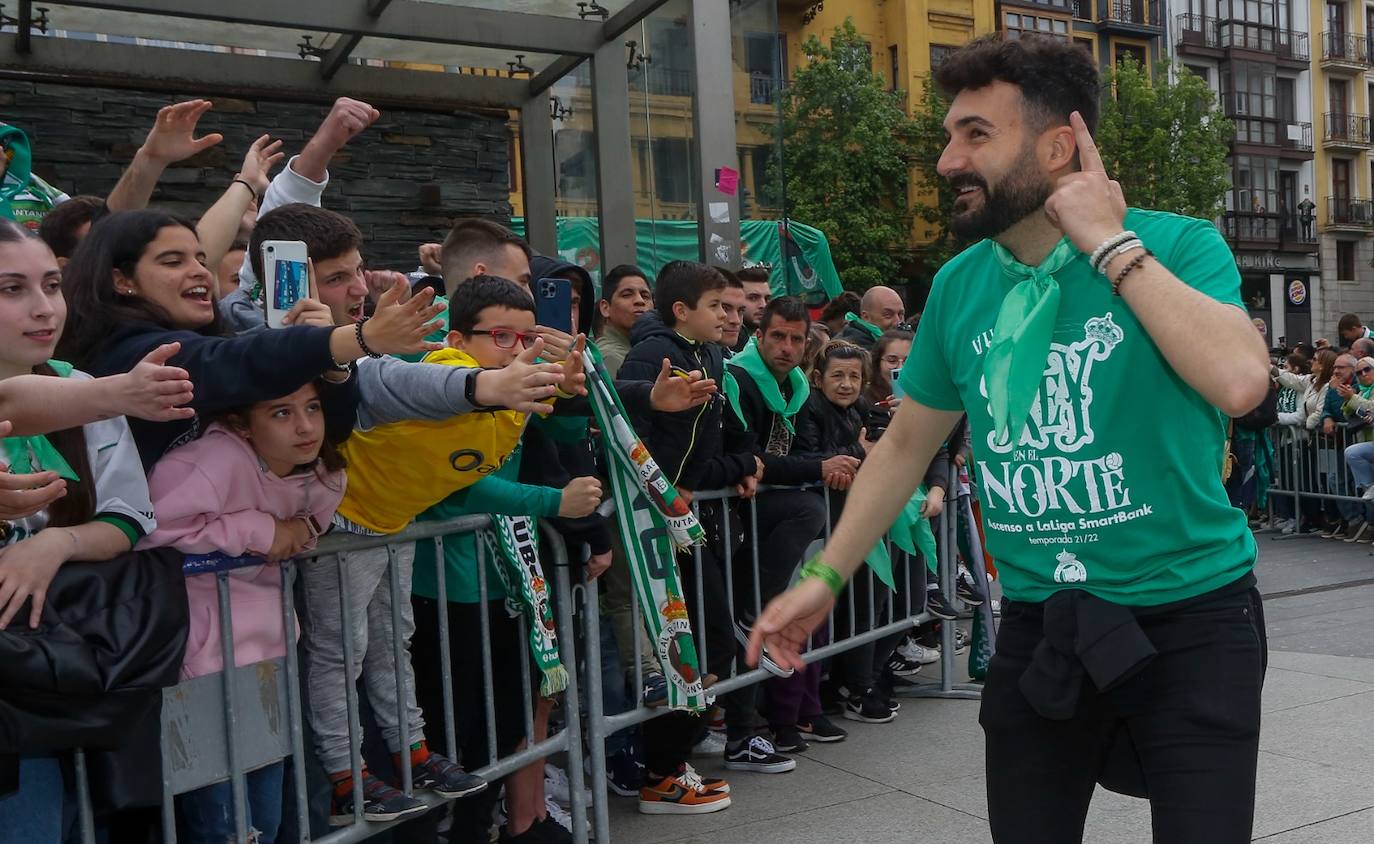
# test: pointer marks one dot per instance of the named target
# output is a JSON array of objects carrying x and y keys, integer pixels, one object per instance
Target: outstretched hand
[
  {"x": 1087, "y": 206},
  {"x": 262, "y": 156},
  {"x": 153, "y": 390},
  {"x": 525, "y": 385},
  {"x": 788, "y": 622},
  {"x": 675, "y": 393},
  {"x": 399, "y": 326}
]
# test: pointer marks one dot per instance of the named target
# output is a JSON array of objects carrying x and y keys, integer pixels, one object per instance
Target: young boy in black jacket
[{"x": 692, "y": 449}]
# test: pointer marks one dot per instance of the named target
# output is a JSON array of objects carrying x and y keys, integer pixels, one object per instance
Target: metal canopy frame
[{"x": 572, "y": 40}]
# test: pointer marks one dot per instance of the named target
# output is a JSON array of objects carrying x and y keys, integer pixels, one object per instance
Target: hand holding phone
[
  {"x": 553, "y": 303},
  {"x": 287, "y": 277}
]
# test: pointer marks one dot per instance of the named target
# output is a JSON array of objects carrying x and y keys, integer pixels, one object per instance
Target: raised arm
[
  {"x": 219, "y": 225},
  {"x": 345, "y": 121},
  {"x": 1194, "y": 331},
  {"x": 170, "y": 140}
]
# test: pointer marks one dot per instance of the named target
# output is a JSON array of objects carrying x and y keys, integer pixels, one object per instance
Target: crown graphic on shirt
[{"x": 1103, "y": 330}]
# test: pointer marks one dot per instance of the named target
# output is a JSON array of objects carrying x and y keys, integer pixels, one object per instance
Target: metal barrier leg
[
  {"x": 446, "y": 654},
  {"x": 85, "y": 813},
  {"x": 398, "y": 653},
  {"x": 596, "y": 728},
  {"x": 237, "y": 783},
  {"x": 355, "y": 738},
  {"x": 293, "y": 698},
  {"x": 567, "y": 653}
]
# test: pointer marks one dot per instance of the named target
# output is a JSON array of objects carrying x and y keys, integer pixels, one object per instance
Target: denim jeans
[
  {"x": 1359, "y": 457},
  {"x": 37, "y": 812},
  {"x": 209, "y": 812}
]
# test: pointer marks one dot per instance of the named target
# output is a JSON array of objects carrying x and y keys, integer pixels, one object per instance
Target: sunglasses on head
[{"x": 506, "y": 338}]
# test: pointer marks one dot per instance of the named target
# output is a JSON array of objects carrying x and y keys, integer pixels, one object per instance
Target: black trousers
[{"x": 1191, "y": 718}]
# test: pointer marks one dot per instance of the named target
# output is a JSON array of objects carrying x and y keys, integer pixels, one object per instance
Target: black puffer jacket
[
  {"x": 825, "y": 429},
  {"x": 691, "y": 447}
]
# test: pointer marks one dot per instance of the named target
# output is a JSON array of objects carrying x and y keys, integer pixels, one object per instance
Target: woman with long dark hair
[{"x": 139, "y": 280}]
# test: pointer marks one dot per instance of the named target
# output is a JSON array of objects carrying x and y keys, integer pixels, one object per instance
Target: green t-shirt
[{"x": 1114, "y": 485}]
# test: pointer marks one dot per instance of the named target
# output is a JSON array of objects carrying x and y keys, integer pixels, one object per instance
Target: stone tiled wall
[{"x": 403, "y": 181}]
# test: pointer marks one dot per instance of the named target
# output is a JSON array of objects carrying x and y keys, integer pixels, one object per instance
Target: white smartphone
[{"x": 286, "y": 277}]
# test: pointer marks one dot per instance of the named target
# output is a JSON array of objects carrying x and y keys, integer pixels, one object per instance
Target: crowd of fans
[
  {"x": 1312, "y": 435},
  {"x": 157, "y": 420}
]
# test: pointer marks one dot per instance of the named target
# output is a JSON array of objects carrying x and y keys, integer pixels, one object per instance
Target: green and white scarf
[
  {"x": 911, "y": 533},
  {"x": 515, "y": 542},
  {"x": 654, "y": 522},
  {"x": 752, "y": 363},
  {"x": 26, "y": 455}
]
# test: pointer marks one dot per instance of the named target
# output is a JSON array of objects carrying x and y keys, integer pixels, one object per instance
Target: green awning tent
[{"x": 808, "y": 272}]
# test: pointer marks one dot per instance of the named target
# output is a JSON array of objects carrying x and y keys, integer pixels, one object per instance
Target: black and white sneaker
[
  {"x": 765, "y": 659},
  {"x": 758, "y": 755},
  {"x": 967, "y": 589},
  {"x": 939, "y": 606},
  {"x": 821, "y": 729},
  {"x": 789, "y": 740},
  {"x": 868, "y": 709},
  {"x": 960, "y": 641},
  {"x": 900, "y": 666}
]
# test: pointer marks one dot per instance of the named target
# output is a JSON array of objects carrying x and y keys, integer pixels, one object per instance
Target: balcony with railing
[
  {"x": 764, "y": 89},
  {"x": 1203, "y": 32},
  {"x": 1296, "y": 139},
  {"x": 1345, "y": 130},
  {"x": 1343, "y": 51},
  {"x": 1251, "y": 227},
  {"x": 1196, "y": 31},
  {"x": 1297, "y": 231},
  {"x": 1136, "y": 16},
  {"x": 1347, "y": 213}
]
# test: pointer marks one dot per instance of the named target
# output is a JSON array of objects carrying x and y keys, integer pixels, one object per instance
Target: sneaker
[
  {"x": 556, "y": 812},
  {"x": 441, "y": 776},
  {"x": 557, "y": 786},
  {"x": 1358, "y": 530},
  {"x": 765, "y": 659},
  {"x": 547, "y": 831},
  {"x": 757, "y": 755},
  {"x": 914, "y": 651},
  {"x": 1368, "y": 494},
  {"x": 712, "y": 745},
  {"x": 715, "y": 721},
  {"x": 684, "y": 794},
  {"x": 939, "y": 606},
  {"x": 960, "y": 641},
  {"x": 967, "y": 589},
  {"x": 789, "y": 740},
  {"x": 711, "y": 783},
  {"x": 655, "y": 690},
  {"x": 903, "y": 667},
  {"x": 381, "y": 802},
  {"x": 821, "y": 729},
  {"x": 624, "y": 774},
  {"x": 868, "y": 709},
  {"x": 1337, "y": 532},
  {"x": 884, "y": 689}
]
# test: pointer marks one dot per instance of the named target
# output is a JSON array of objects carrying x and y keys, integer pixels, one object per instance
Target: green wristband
[{"x": 815, "y": 568}]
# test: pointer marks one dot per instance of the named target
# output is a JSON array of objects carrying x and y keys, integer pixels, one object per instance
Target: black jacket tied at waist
[{"x": 1084, "y": 634}]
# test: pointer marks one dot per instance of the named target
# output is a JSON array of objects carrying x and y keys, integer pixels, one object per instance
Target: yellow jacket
[{"x": 397, "y": 471}]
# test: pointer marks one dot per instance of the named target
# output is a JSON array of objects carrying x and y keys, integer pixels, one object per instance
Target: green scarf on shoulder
[
  {"x": 26, "y": 455},
  {"x": 752, "y": 363},
  {"x": 854, "y": 319}
]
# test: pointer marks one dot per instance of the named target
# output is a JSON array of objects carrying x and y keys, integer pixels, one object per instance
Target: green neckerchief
[
  {"x": 14, "y": 144},
  {"x": 1015, "y": 361},
  {"x": 911, "y": 533},
  {"x": 752, "y": 363},
  {"x": 37, "y": 454},
  {"x": 854, "y": 319}
]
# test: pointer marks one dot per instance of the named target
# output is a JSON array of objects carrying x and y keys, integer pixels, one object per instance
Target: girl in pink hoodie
[{"x": 258, "y": 484}]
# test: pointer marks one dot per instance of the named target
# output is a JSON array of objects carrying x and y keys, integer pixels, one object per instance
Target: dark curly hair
[{"x": 1056, "y": 77}]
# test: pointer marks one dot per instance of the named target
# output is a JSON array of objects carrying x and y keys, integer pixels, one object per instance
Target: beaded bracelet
[
  {"x": 817, "y": 569},
  {"x": 1108, "y": 245},
  {"x": 1133, "y": 243},
  {"x": 1129, "y": 268},
  {"x": 362, "y": 344}
]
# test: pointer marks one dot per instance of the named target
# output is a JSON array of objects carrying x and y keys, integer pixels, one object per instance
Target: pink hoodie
[{"x": 214, "y": 494}]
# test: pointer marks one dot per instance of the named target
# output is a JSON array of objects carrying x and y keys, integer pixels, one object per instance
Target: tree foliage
[
  {"x": 847, "y": 155},
  {"x": 1165, "y": 142},
  {"x": 934, "y": 205}
]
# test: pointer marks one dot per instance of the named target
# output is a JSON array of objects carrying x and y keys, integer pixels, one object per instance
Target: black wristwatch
[{"x": 470, "y": 393}]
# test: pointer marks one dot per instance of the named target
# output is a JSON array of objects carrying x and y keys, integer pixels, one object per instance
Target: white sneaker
[
  {"x": 557, "y": 786},
  {"x": 916, "y": 652},
  {"x": 712, "y": 745},
  {"x": 561, "y": 816}
]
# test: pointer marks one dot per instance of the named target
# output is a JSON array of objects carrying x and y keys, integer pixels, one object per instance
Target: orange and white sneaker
[{"x": 683, "y": 794}]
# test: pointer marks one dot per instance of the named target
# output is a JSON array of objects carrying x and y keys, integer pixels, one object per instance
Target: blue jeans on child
[
  {"x": 37, "y": 812},
  {"x": 209, "y": 812}
]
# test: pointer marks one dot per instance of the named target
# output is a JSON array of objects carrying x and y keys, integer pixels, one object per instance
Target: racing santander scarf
[
  {"x": 14, "y": 145},
  {"x": 654, "y": 522},
  {"x": 911, "y": 533},
  {"x": 26, "y": 455},
  {"x": 854, "y": 319},
  {"x": 515, "y": 543},
  {"x": 752, "y": 363},
  {"x": 1014, "y": 364}
]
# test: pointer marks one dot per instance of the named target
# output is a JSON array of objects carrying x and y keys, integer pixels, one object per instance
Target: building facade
[{"x": 1257, "y": 56}]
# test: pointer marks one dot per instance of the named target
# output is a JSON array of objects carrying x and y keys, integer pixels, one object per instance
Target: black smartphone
[{"x": 553, "y": 303}]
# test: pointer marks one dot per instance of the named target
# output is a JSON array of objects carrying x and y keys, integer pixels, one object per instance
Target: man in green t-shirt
[{"x": 1097, "y": 352}]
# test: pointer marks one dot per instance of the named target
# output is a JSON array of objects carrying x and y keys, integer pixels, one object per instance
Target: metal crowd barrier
[
  {"x": 897, "y": 619},
  {"x": 219, "y": 727},
  {"x": 1311, "y": 467}
]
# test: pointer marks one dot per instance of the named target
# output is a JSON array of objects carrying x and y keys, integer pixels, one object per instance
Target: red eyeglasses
[{"x": 506, "y": 338}]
